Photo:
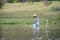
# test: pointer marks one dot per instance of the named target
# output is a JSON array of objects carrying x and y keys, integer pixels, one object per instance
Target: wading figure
[{"x": 36, "y": 26}]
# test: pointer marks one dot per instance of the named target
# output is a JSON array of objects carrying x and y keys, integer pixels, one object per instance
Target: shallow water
[{"x": 24, "y": 32}]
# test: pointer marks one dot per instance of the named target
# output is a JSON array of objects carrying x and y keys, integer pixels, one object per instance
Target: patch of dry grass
[{"x": 23, "y": 6}]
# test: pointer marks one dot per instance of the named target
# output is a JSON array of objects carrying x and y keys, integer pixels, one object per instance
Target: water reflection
[
  {"x": 0, "y": 32},
  {"x": 22, "y": 32}
]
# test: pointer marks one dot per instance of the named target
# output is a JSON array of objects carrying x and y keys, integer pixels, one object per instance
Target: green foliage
[
  {"x": 15, "y": 22},
  {"x": 43, "y": 0},
  {"x": 12, "y": 1},
  {"x": 1, "y": 4},
  {"x": 36, "y": 0},
  {"x": 53, "y": 0},
  {"x": 55, "y": 8}
]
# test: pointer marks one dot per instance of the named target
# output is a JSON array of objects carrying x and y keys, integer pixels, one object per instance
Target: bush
[
  {"x": 10, "y": 1},
  {"x": 1, "y": 4},
  {"x": 55, "y": 8},
  {"x": 13, "y": 1}
]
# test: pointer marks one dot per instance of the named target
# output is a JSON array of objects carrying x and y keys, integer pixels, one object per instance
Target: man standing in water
[{"x": 36, "y": 26}]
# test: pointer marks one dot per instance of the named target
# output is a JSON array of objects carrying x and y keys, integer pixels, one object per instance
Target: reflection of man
[{"x": 36, "y": 26}]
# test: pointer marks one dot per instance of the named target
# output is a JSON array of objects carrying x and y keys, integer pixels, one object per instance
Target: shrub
[
  {"x": 1, "y": 4},
  {"x": 55, "y": 8},
  {"x": 10, "y": 1}
]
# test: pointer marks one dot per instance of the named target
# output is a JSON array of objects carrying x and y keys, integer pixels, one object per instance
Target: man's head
[{"x": 34, "y": 15}]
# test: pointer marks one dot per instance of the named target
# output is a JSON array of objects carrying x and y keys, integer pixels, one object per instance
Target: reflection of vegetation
[{"x": 18, "y": 32}]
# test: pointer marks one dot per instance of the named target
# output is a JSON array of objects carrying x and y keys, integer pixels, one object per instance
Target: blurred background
[{"x": 16, "y": 18}]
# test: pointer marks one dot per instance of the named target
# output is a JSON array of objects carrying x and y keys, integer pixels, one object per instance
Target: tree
[
  {"x": 22, "y": 1},
  {"x": 1, "y": 3},
  {"x": 10, "y": 1}
]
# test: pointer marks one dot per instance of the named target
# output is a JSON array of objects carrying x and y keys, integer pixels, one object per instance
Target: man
[{"x": 36, "y": 26}]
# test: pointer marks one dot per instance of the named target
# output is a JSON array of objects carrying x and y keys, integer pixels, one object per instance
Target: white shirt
[
  {"x": 36, "y": 23},
  {"x": 36, "y": 20}
]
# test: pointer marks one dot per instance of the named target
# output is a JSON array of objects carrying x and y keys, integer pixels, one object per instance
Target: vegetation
[
  {"x": 23, "y": 1},
  {"x": 12, "y": 1},
  {"x": 1, "y": 4},
  {"x": 24, "y": 13}
]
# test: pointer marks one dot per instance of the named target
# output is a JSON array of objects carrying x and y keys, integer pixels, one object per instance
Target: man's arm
[{"x": 35, "y": 21}]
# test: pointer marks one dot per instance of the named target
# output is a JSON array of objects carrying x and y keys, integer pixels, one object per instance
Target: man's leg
[
  {"x": 37, "y": 32},
  {"x": 34, "y": 32}
]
